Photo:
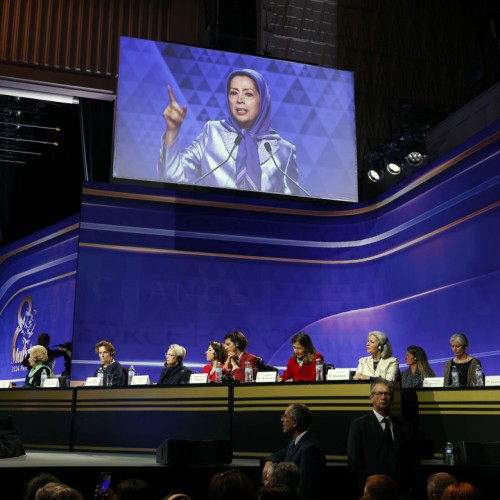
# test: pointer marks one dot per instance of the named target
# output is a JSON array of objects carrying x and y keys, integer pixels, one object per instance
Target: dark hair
[
  {"x": 305, "y": 341},
  {"x": 132, "y": 489},
  {"x": 277, "y": 492},
  {"x": 231, "y": 484},
  {"x": 37, "y": 482},
  {"x": 219, "y": 348},
  {"x": 238, "y": 339},
  {"x": 302, "y": 414},
  {"x": 58, "y": 491},
  {"x": 423, "y": 367}
]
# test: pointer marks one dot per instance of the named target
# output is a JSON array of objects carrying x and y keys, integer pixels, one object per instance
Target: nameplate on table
[
  {"x": 198, "y": 378},
  {"x": 433, "y": 382},
  {"x": 491, "y": 380},
  {"x": 93, "y": 381},
  {"x": 338, "y": 374},
  {"x": 5, "y": 384},
  {"x": 270, "y": 376},
  {"x": 140, "y": 380},
  {"x": 51, "y": 382}
]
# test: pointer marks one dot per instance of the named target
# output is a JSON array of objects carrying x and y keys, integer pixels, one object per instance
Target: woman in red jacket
[{"x": 302, "y": 365}]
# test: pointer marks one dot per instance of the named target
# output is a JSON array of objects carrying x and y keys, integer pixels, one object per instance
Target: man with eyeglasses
[
  {"x": 382, "y": 443},
  {"x": 303, "y": 450}
]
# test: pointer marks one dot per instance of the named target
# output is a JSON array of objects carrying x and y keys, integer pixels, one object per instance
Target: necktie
[{"x": 387, "y": 430}]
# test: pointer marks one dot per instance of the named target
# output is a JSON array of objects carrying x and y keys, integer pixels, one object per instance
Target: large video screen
[{"x": 200, "y": 117}]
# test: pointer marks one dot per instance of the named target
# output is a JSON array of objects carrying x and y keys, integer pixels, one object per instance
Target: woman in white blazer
[{"x": 380, "y": 362}]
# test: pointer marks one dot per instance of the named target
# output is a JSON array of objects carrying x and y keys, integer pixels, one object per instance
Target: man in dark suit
[
  {"x": 303, "y": 450},
  {"x": 381, "y": 443}
]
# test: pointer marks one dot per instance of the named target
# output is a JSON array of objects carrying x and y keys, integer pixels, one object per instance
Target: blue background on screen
[{"x": 312, "y": 107}]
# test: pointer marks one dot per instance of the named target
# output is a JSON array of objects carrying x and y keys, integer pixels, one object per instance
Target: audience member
[
  {"x": 302, "y": 364},
  {"x": 461, "y": 491},
  {"x": 237, "y": 356},
  {"x": 43, "y": 340},
  {"x": 57, "y": 491},
  {"x": 437, "y": 483},
  {"x": 466, "y": 365},
  {"x": 380, "y": 362},
  {"x": 277, "y": 492},
  {"x": 175, "y": 372},
  {"x": 37, "y": 360},
  {"x": 303, "y": 450},
  {"x": 216, "y": 353},
  {"x": 380, "y": 487},
  {"x": 418, "y": 368},
  {"x": 381, "y": 443},
  {"x": 37, "y": 482},
  {"x": 230, "y": 485},
  {"x": 287, "y": 473},
  {"x": 110, "y": 367},
  {"x": 131, "y": 489}
]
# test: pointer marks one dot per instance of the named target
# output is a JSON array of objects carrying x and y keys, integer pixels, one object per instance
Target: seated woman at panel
[
  {"x": 466, "y": 364},
  {"x": 234, "y": 366},
  {"x": 175, "y": 372},
  {"x": 110, "y": 367},
  {"x": 418, "y": 368},
  {"x": 216, "y": 353},
  {"x": 302, "y": 364},
  {"x": 37, "y": 360},
  {"x": 380, "y": 362}
]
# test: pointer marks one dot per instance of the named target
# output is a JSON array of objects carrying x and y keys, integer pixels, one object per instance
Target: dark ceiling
[{"x": 46, "y": 150}]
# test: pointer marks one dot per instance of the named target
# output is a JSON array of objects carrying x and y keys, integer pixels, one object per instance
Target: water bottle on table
[
  {"x": 454, "y": 376},
  {"x": 131, "y": 374},
  {"x": 448, "y": 455},
  {"x": 43, "y": 377},
  {"x": 248, "y": 372},
  {"x": 218, "y": 373},
  {"x": 319, "y": 370},
  {"x": 479, "y": 376}
]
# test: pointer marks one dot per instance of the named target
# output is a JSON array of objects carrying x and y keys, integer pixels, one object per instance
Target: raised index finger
[{"x": 171, "y": 94}]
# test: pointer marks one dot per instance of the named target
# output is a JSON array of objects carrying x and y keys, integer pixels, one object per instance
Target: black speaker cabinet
[{"x": 189, "y": 452}]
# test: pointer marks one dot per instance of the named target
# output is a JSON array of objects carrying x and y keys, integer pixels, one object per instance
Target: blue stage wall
[
  {"x": 158, "y": 267},
  {"x": 37, "y": 294}
]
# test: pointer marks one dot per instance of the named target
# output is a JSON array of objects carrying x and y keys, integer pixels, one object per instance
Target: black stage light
[
  {"x": 375, "y": 166},
  {"x": 414, "y": 148},
  {"x": 394, "y": 159}
]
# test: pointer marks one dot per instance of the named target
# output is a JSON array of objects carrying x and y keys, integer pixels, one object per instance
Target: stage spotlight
[
  {"x": 375, "y": 166},
  {"x": 415, "y": 149},
  {"x": 393, "y": 158}
]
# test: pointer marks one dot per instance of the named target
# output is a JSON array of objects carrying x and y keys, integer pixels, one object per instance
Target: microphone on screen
[
  {"x": 237, "y": 141},
  {"x": 269, "y": 150}
]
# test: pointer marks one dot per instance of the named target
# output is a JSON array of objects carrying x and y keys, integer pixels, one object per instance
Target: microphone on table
[
  {"x": 269, "y": 150},
  {"x": 237, "y": 141}
]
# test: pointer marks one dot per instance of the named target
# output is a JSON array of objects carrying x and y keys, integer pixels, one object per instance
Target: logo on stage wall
[{"x": 21, "y": 340}]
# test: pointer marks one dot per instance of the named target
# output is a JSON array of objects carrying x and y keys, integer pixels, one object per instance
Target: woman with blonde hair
[
  {"x": 37, "y": 360},
  {"x": 175, "y": 372}
]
